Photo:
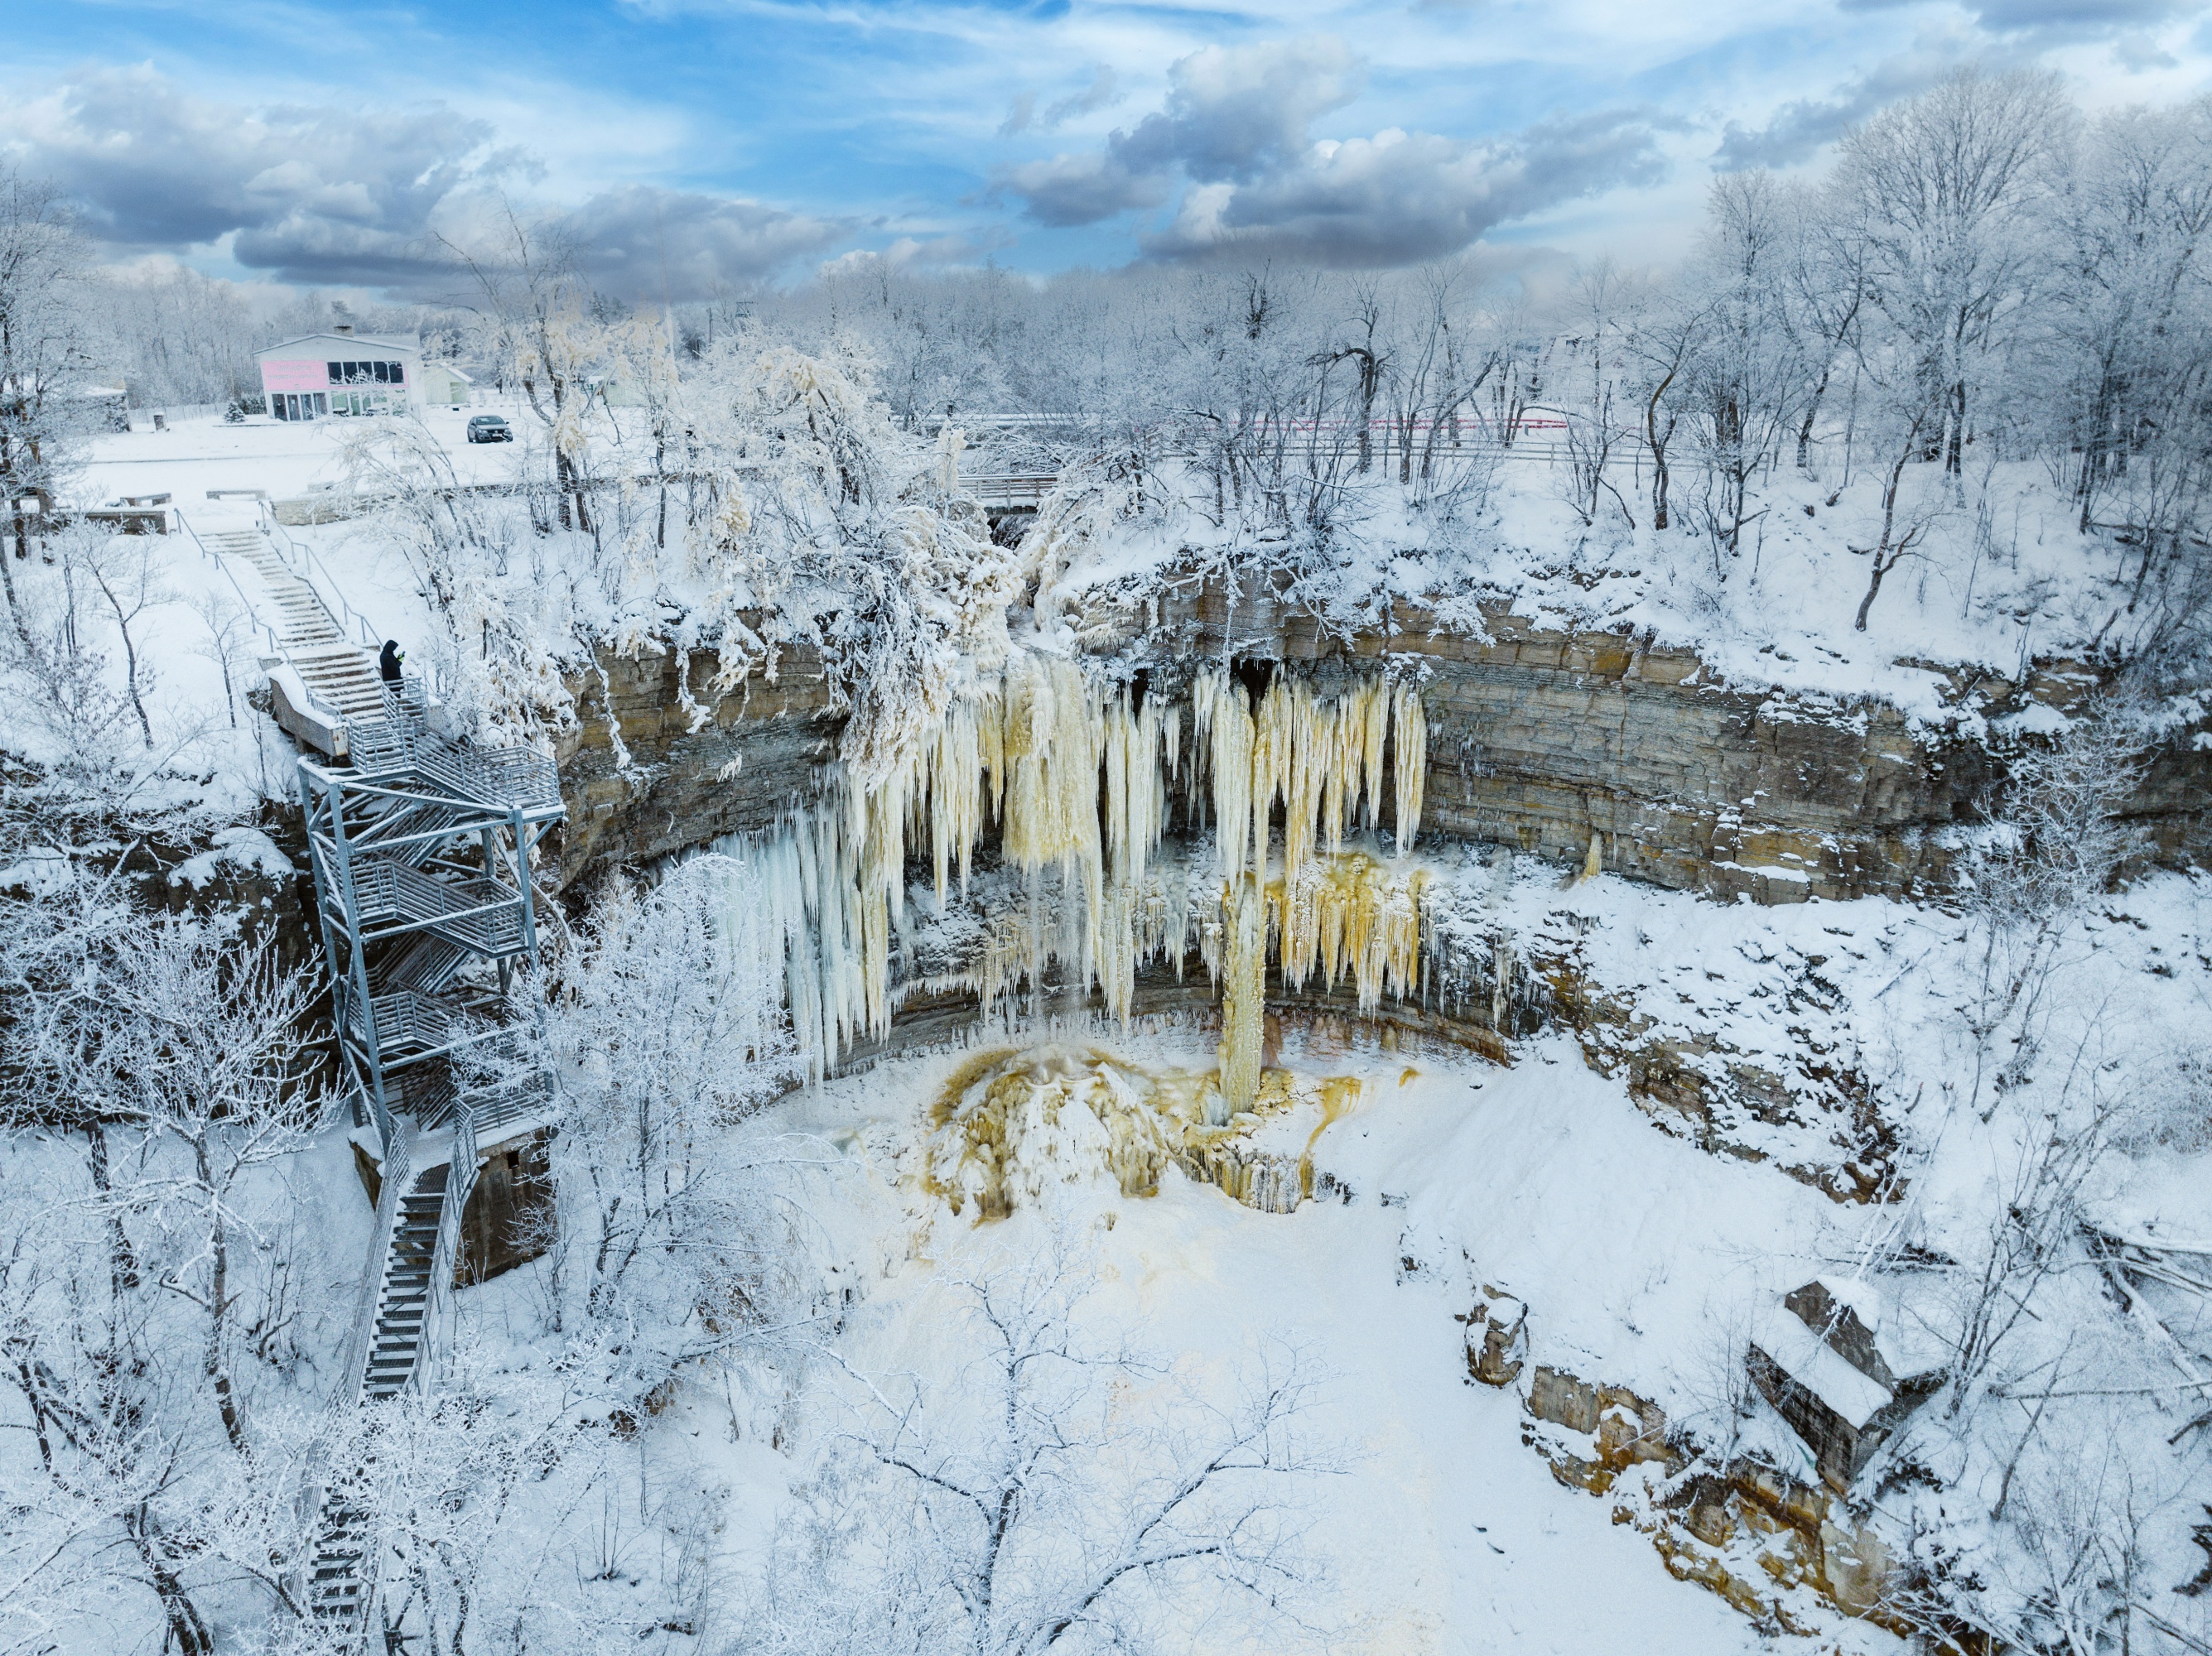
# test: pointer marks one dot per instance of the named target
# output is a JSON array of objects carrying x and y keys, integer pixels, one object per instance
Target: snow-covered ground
[
  {"x": 2000, "y": 576},
  {"x": 1645, "y": 1261},
  {"x": 1441, "y": 1532},
  {"x": 283, "y": 458}
]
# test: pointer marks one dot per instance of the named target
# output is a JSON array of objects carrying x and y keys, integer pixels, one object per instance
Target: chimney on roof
[{"x": 345, "y": 328}]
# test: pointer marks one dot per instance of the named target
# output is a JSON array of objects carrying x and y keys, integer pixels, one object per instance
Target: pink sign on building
[{"x": 294, "y": 376}]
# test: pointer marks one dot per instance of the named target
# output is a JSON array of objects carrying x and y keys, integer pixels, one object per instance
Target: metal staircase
[
  {"x": 421, "y": 848},
  {"x": 416, "y": 1246},
  {"x": 326, "y": 649},
  {"x": 403, "y": 1299}
]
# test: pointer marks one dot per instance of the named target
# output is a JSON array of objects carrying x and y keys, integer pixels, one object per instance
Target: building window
[{"x": 365, "y": 374}]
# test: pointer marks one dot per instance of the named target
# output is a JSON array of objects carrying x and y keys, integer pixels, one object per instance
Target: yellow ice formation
[
  {"x": 1008, "y": 1123},
  {"x": 1321, "y": 758},
  {"x": 1243, "y": 995},
  {"x": 1353, "y": 916},
  {"x": 1339, "y": 1096},
  {"x": 1078, "y": 779}
]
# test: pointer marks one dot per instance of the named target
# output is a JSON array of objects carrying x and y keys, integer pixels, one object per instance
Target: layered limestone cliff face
[
  {"x": 1597, "y": 750},
  {"x": 645, "y": 776},
  {"x": 1542, "y": 740}
]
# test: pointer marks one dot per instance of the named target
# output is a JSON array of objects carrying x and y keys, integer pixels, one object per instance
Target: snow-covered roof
[
  {"x": 1808, "y": 1359},
  {"x": 344, "y": 340},
  {"x": 1907, "y": 1347}
]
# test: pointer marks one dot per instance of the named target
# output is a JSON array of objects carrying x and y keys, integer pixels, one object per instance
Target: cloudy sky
[{"x": 695, "y": 143}]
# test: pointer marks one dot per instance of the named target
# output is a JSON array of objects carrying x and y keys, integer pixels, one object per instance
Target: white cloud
[
  {"x": 1234, "y": 134},
  {"x": 354, "y": 196}
]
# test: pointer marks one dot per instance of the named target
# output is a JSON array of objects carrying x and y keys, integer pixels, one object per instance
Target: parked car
[{"x": 489, "y": 428}]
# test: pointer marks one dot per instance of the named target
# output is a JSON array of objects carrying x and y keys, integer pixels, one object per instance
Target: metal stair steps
[{"x": 480, "y": 914}]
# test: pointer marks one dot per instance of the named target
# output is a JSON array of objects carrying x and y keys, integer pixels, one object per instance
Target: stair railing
[
  {"x": 302, "y": 558},
  {"x": 390, "y": 742},
  {"x": 245, "y": 604},
  {"x": 396, "y": 1174},
  {"x": 507, "y": 776},
  {"x": 445, "y": 1256}
]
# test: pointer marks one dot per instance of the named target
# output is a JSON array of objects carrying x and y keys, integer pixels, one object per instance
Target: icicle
[
  {"x": 1349, "y": 916},
  {"x": 1078, "y": 784},
  {"x": 1373, "y": 702},
  {"x": 1243, "y": 997},
  {"x": 1234, "y": 740},
  {"x": 1410, "y": 723}
]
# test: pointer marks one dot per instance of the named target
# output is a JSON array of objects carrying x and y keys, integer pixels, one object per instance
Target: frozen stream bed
[{"x": 1442, "y": 1531}]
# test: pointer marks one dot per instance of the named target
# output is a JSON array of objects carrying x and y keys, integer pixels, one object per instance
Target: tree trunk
[
  {"x": 8, "y": 583},
  {"x": 188, "y": 1631},
  {"x": 130, "y": 654},
  {"x": 218, "y": 1365},
  {"x": 1805, "y": 431},
  {"x": 122, "y": 1264},
  {"x": 1874, "y": 590},
  {"x": 1658, "y": 447}
]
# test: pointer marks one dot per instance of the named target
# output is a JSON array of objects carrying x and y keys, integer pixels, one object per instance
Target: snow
[
  {"x": 1779, "y": 616},
  {"x": 45, "y": 872},
  {"x": 1443, "y": 1532},
  {"x": 285, "y": 458},
  {"x": 235, "y": 846},
  {"x": 1650, "y": 1246},
  {"x": 1808, "y": 1359}
]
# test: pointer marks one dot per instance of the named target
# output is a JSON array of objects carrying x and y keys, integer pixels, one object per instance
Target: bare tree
[
  {"x": 1902, "y": 532},
  {"x": 124, "y": 571},
  {"x": 1592, "y": 429},
  {"x": 41, "y": 349},
  {"x": 1943, "y": 189},
  {"x": 1826, "y": 266},
  {"x": 1666, "y": 339},
  {"x": 540, "y": 327},
  {"x": 2057, "y": 840},
  {"x": 229, "y": 628},
  {"x": 1745, "y": 378},
  {"x": 1018, "y": 1506}
]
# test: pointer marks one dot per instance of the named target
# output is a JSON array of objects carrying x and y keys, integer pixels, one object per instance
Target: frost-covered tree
[
  {"x": 42, "y": 351},
  {"x": 542, "y": 329},
  {"x": 177, "y": 1060},
  {"x": 1048, "y": 1493},
  {"x": 2056, "y": 841},
  {"x": 662, "y": 1034},
  {"x": 1946, "y": 193},
  {"x": 1745, "y": 377}
]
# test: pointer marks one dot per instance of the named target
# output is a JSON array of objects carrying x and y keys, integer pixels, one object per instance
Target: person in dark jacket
[{"x": 388, "y": 663}]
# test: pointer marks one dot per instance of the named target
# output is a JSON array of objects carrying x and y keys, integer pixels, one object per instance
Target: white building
[
  {"x": 340, "y": 372},
  {"x": 444, "y": 384}
]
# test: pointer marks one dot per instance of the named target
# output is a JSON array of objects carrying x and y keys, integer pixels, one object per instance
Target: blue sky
[{"x": 689, "y": 145}]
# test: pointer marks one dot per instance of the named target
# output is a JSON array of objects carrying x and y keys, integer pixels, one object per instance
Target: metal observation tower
[{"x": 421, "y": 849}]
